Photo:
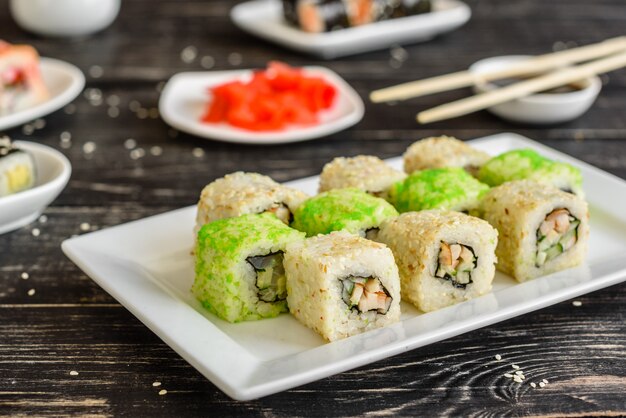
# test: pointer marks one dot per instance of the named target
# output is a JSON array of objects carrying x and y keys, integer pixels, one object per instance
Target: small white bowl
[
  {"x": 53, "y": 172},
  {"x": 64, "y": 17},
  {"x": 543, "y": 108}
]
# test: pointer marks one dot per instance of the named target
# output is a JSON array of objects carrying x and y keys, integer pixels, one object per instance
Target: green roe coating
[
  {"x": 351, "y": 209},
  {"x": 221, "y": 251},
  {"x": 449, "y": 188},
  {"x": 527, "y": 164}
]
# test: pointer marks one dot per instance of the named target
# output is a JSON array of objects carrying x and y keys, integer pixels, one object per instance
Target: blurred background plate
[{"x": 264, "y": 18}]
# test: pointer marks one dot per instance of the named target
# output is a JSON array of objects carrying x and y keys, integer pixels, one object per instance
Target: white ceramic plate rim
[
  {"x": 263, "y": 18},
  {"x": 226, "y": 133},
  {"x": 242, "y": 376},
  {"x": 48, "y": 66}
]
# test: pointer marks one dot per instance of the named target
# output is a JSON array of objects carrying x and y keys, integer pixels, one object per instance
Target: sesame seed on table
[{"x": 69, "y": 348}]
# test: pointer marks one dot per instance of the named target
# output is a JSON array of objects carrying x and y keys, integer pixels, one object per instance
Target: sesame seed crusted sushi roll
[
  {"x": 351, "y": 210},
  {"x": 340, "y": 284},
  {"x": 242, "y": 193},
  {"x": 443, "y": 151},
  {"x": 444, "y": 257},
  {"x": 370, "y": 174},
  {"x": 17, "y": 168},
  {"x": 240, "y": 274},
  {"x": 438, "y": 188},
  {"x": 542, "y": 229},
  {"x": 528, "y": 164}
]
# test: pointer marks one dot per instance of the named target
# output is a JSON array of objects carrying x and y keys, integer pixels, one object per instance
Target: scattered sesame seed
[
  {"x": 31, "y": 292},
  {"x": 43, "y": 219},
  {"x": 235, "y": 58},
  {"x": 156, "y": 384},
  {"x": 189, "y": 54},
  {"x": 498, "y": 357},
  {"x": 153, "y": 113},
  {"x": 134, "y": 105},
  {"x": 577, "y": 303},
  {"x": 517, "y": 379},
  {"x": 515, "y": 366},
  {"x": 66, "y": 144},
  {"x": 395, "y": 64},
  {"x": 130, "y": 143},
  {"x": 559, "y": 46},
  {"x": 207, "y": 62},
  {"x": 39, "y": 124},
  {"x": 85, "y": 226},
  {"x": 156, "y": 150},
  {"x": 89, "y": 147},
  {"x": 65, "y": 136},
  {"x": 28, "y": 129},
  {"x": 113, "y": 100},
  {"x": 25, "y": 276},
  {"x": 36, "y": 232},
  {"x": 113, "y": 112},
  {"x": 518, "y": 372},
  {"x": 162, "y": 392},
  {"x": 533, "y": 384},
  {"x": 545, "y": 381},
  {"x": 198, "y": 152},
  {"x": 73, "y": 373},
  {"x": 142, "y": 113},
  {"x": 96, "y": 71},
  {"x": 398, "y": 53},
  {"x": 70, "y": 109},
  {"x": 137, "y": 153},
  {"x": 509, "y": 375},
  {"x": 541, "y": 384}
]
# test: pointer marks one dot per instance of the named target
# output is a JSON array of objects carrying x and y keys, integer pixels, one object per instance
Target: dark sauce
[{"x": 568, "y": 88}]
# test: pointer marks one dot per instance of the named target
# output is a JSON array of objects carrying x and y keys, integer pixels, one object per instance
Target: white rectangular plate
[
  {"x": 146, "y": 265},
  {"x": 264, "y": 18}
]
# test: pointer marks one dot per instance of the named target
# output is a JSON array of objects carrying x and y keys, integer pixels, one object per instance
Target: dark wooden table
[{"x": 72, "y": 324}]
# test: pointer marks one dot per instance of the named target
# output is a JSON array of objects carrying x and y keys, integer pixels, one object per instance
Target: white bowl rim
[
  {"x": 49, "y": 186},
  {"x": 593, "y": 87}
]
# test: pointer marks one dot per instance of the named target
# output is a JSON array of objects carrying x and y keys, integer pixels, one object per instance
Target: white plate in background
[
  {"x": 185, "y": 98},
  {"x": 64, "y": 81},
  {"x": 52, "y": 170},
  {"x": 264, "y": 18},
  {"x": 146, "y": 265}
]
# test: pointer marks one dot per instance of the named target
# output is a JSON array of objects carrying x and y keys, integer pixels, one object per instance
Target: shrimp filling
[
  {"x": 455, "y": 263},
  {"x": 281, "y": 211},
  {"x": 557, "y": 233},
  {"x": 270, "y": 276},
  {"x": 365, "y": 294}
]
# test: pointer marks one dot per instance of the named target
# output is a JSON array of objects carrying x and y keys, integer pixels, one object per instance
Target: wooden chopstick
[
  {"x": 538, "y": 64},
  {"x": 524, "y": 88}
]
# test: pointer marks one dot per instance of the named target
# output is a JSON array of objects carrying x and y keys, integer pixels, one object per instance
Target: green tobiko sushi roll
[
  {"x": 528, "y": 164},
  {"x": 351, "y": 210},
  {"x": 449, "y": 188},
  {"x": 239, "y": 266}
]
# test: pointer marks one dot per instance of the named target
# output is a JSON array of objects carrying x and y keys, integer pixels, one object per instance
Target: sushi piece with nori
[
  {"x": 17, "y": 168},
  {"x": 443, "y": 151},
  {"x": 340, "y": 284},
  {"x": 542, "y": 229},
  {"x": 241, "y": 193},
  {"x": 350, "y": 209},
  {"x": 365, "y": 172},
  {"x": 444, "y": 257},
  {"x": 529, "y": 164},
  {"x": 239, "y": 267},
  {"x": 438, "y": 188}
]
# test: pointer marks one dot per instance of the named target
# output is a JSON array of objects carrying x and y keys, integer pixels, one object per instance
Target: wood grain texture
[{"x": 71, "y": 324}]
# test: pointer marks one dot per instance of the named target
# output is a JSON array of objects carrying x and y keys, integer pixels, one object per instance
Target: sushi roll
[
  {"x": 443, "y": 151},
  {"x": 351, "y": 210},
  {"x": 241, "y": 193},
  {"x": 528, "y": 164},
  {"x": 340, "y": 284},
  {"x": 370, "y": 174},
  {"x": 17, "y": 169},
  {"x": 438, "y": 188},
  {"x": 240, "y": 274},
  {"x": 542, "y": 229},
  {"x": 444, "y": 257},
  {"x": 21, "y": 83}
]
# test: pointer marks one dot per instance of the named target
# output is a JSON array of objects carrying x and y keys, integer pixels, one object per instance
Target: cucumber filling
[
  {"x": 282, "y": 212},
  {"x": 364, "y": 294},
  {"x": 270, "y": 276},
  {"x": 557, "y": 233},
  {"x": 455, "y": 263}
]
